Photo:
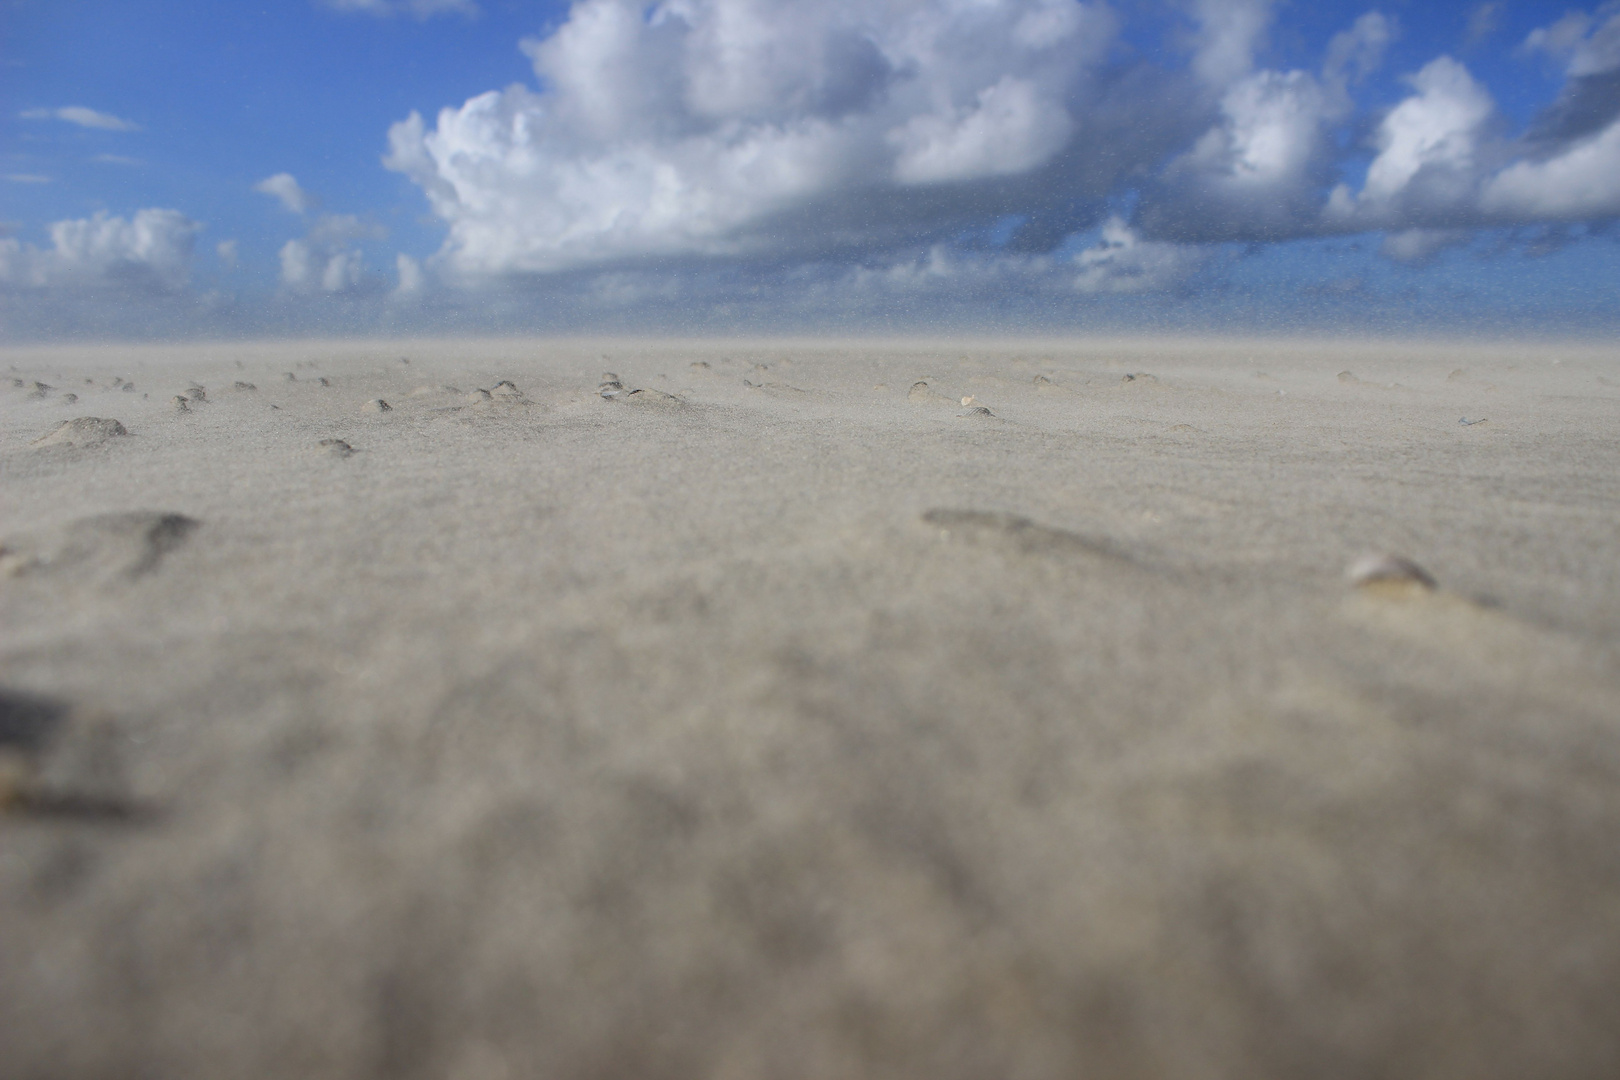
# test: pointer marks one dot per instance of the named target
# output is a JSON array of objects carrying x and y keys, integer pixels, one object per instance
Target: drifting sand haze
[{"x": 808, "y": 709}]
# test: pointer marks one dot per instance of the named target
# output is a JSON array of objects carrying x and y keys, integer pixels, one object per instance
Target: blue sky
[{"x": 175, "y": 168}]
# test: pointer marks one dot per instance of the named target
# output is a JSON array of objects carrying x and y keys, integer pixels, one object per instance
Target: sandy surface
[{"x": 782, "y": 721}]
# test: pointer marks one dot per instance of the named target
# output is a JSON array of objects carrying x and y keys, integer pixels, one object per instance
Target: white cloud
[
  {"x": 326, "y": 260},
  {"x": 1010, "y": 128},
  {"x": 228, "y": 253},
  {"x": 285, "y": 187},
  {"x": 26, "y": 178},
  {"x": 78, "y": 114},
  {"x": 421, "y": 9},
  {"x": 116, "y": 159},
  {"x": 1585, "y": 44},
  {"x": 1122, "y": 262},
  {"x": 1429, "y": 150},
  {"x": 151, "y": 250},
  {"x": 1421, "y": 245},
  {"x": 691, "y": 127},
  {"x": 1581, "y": 182},
  {"x": 1230, "y": 32},
  {"x": 1355, "y": 53},
  {"x": 412, "y": 280}
]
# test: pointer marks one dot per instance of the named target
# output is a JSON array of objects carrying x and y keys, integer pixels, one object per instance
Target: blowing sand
[{"x": 488, "y": 710}]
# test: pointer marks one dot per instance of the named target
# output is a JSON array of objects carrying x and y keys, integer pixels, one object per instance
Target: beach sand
[{"x": 361, "y": 715}]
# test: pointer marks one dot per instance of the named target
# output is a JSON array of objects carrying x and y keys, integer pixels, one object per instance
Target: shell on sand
[
  {"x": 978, "y": 410},
  {"x": 82, "y": 431},
  {"x": 336, "y": 447},
  {"x": 923, "y": 394},
  {"x": 1385, "y": 569},
  {"x": 180, "y": 404},
  {"x": 377, "y": 405}
]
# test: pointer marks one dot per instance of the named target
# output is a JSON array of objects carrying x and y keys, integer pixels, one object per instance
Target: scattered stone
[
  {"x": 81, "y": 432},
  {"x": 240, "y": 385},
  {"x": 180, "y": 404},
  {"x": 336, "y": 447},
  {"x": 1385, "y": 570},
  {"x": 377, "y": 405}
]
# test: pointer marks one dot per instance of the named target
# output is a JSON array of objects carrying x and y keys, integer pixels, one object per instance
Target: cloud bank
[
  {"x": 918, "y": 156},
  {"x": 766, "y": 129}
]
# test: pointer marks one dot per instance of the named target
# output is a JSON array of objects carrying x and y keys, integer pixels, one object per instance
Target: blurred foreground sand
[{"x": 781, "y": 720}]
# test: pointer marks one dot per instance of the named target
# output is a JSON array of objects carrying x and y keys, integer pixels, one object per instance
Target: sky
[{"x": 187, "y": 168}]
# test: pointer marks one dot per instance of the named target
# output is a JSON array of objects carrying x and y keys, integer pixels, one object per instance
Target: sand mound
[
  {"x": 101, "y": 547},
  {"x": 82, "y": 432}
]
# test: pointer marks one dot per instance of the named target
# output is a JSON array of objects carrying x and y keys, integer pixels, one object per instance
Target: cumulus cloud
[
  {"x": 150, "y": 251},
  {"x": 421, "y": 9},
  {"x": 327, "y": 260},
  {"x": 412, "y": 280},
  {"x": 1122, "y": 262},
  {"x": 1229, "y": 33},
  {"x": 1428, "y": 151},
  {"x": 714, "y": 127},
  {"x": 285, "y": 187}
]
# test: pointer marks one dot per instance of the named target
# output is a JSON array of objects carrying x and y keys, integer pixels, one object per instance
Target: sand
[{"x": 501, "y": 709}]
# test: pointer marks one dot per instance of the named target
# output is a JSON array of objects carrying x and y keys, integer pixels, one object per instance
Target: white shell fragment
[{"x": 1386, "y": 569}]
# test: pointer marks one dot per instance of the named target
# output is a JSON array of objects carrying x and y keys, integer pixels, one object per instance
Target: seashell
[
  {"x": 377, "y": 405},
  {"x": 180, "y": 404},
  {"x": 1386, "y": 569}
]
